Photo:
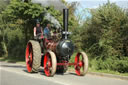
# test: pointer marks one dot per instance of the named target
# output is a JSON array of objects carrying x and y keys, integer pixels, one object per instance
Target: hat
[{"x": 37, "y": 21}]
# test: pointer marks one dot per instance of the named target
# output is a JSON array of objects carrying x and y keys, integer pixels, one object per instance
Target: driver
[{"x": 37, "y": 29}]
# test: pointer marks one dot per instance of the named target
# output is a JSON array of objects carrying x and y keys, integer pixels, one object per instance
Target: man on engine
[
  {"x": 47, "y": 33},
  {"x": 38, "y": 30}
]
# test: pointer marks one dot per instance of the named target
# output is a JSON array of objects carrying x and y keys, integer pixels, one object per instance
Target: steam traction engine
[{"x": 56, "y": 54}]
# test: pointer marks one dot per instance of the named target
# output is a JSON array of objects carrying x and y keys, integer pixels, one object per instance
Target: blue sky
[{"x": 94, "y": 4}]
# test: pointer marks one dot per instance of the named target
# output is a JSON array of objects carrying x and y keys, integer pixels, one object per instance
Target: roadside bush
[
  {"x": 112, "y": 64},
  {"x": 105, "y": 38},
  {"x": 2, "y": 51},
  {"x": 15, "y": 43}
]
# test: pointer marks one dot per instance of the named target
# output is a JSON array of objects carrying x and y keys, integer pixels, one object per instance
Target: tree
[
  {"x": 19, "y": 18},
  {"x": 3, "y": 5},
  {"x": 105, "y": 38}
]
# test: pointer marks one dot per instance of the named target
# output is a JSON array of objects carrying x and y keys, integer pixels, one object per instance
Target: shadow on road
[
  {"x": 73, "y": 74},
  {"x": 41, "y": 71}
]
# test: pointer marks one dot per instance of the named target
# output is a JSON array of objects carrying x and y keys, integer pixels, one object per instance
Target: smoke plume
[{"x": 57, "y": 4}]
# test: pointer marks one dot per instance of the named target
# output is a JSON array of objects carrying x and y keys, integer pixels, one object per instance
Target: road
[{"x": 16, "y": 74}]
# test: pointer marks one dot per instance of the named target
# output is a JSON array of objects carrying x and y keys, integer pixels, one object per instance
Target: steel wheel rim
[{"x": 29, "y": 57}]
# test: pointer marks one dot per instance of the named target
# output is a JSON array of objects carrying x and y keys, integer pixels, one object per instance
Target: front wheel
[
  {"x": 81, "y": 61},
  {"x": 50, "y": 63}
]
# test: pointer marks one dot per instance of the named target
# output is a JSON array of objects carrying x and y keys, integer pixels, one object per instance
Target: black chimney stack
[
  {"x": 65, "y": 19},
  {"x": 65, "y": 23}
]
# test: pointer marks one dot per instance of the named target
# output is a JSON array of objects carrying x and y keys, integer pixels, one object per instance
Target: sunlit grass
[{"x": 13, "y": 60}]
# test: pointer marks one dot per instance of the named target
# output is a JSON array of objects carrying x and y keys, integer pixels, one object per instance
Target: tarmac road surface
[{"x": 16, "y": 74}]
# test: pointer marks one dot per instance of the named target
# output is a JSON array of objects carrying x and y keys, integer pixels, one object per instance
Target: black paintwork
[{"x": 65, "y": 48}]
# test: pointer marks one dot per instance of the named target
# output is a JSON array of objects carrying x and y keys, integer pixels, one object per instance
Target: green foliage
[
  {"x": 76, "y": 38},
  {"x": 17, "y": 23},
  {"x": 105, "y": 38},
  {"x": 3, "y": 5},
  {"x": 15, "y": 43},
  {"x": 111, "y": 63},
  {"x": 25, "y": 12},
  {"x": 2, "y": 51}
]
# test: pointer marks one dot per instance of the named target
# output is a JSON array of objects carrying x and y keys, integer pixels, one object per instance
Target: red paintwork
[
  {"x": 79, "y": 64},
  {"x": 29, "y": 58},
  {"x": 69, "y": 64},
  {"x": 47, "y": 64},
  {"x": 50, "y": 44}
]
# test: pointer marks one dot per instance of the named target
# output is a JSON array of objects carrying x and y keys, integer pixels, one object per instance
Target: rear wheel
[
  {"x": 50, "y": 63},
  {"x": 81, "y": 66},
  {"x": 33, "y": 56}
]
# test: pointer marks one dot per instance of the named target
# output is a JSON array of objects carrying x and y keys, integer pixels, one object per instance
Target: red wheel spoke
[
  {"x": 50, "y": 64},
  {"x": 27, "y": 61},
  {"x": 79, "y": 67},
  {"x": 78, "y": 59},
  {"x": 29, "y": 56},
  {"x": 48, "y": 70},
  {"x": 47, "y": 65},
  {"x": 80, "y": 63}
]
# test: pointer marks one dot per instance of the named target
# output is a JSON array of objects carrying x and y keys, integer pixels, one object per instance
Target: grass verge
[
  {"x": 13, "y": 60},
  {"x": 108, "y": 72}
]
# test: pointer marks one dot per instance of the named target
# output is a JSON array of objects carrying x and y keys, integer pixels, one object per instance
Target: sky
[
  {"x": 90, "y": 4},
  {"x": 95, "y": 4}
]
